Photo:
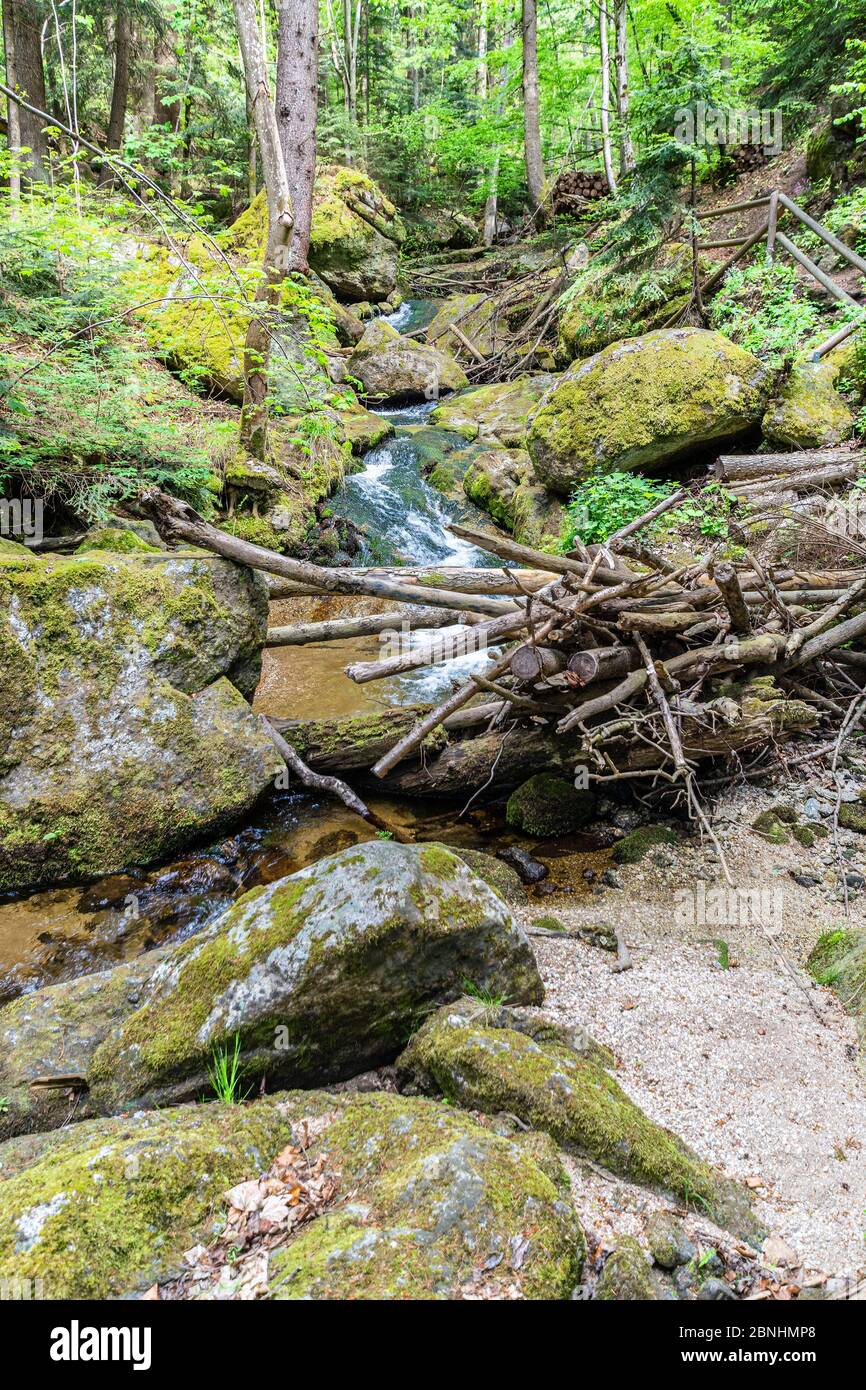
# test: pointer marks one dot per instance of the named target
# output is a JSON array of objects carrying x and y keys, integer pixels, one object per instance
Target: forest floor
[{"x": 753, "y": 1065}]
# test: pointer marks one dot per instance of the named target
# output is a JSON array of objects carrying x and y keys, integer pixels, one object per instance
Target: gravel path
[{"x": 754, "y": 1066}]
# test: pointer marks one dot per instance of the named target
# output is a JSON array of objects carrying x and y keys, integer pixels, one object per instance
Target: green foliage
[
  {"x": 607, "y": 501},
  {"x": 762, "y": 308},
  {"x": 225, "y": 1074},
  {"x": 709, "y": 512}
]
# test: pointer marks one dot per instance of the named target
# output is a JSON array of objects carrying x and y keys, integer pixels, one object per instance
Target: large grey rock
[
  {"x": 644, "y": 402},
  {"x": 429, "y": 1204},
  {"x": 391, "y": 367},
  {"x": 124, "y": 728},
  {"x": 321, "y": 975}
]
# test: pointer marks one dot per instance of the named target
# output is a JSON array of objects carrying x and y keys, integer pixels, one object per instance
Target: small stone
[
  {"x": 805, "y": 880},
  {"x": 611, "y": 879},
  {"x": 529, "y": 869},
  {"x": 669, "y": 1245},
  {"x": 714, "y": 1290}
]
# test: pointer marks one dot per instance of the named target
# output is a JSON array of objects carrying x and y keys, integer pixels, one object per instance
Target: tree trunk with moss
[{"x": 297, "y": 104}]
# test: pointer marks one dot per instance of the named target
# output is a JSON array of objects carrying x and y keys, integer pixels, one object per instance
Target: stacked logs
[
  {"x": 574, "y": 187},
  {"x": 608, "y": 658}
]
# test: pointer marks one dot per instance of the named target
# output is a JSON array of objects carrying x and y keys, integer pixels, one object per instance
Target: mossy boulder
[
  {"x": 57, "y": 1029},
  {"x": 638, "y": 843},
  {"x": 355, "y": 238},
  {"x": 644, "y": 403},
  {"x": 430, "y": 1205},
  {"x": 808, "y": 412},
  {"x": 391, "y": 367},
  {"x": 552, "y": 1087},
  {"x": 546, "y": 805},
  {"x": 102, "y": 1209},
  {"x": 319, "y": 975},
  {"x": 474, "y": 315},
  {"x": 502, "y": 482},
  {"x": 442, "y": 1208},
  {"x": 498, "y": 414},
  {"x": 124, "y": 726},
  {"x": 362, "y": 428},
  {"x": 626, "y": 1274}
]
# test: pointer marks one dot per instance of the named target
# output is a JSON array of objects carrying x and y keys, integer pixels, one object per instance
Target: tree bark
[
  {"x": 605, "y": 95},
  {"x": 254, "y": 413},
  {"x": 13, "y": 111},
  {"x": 120, "y": 91},
  {"x": 531, "y": 110},
  {"x": 626, "y": 150},
  {"x": 30, "y": 82},
  {"x": 297, "y": 106}
]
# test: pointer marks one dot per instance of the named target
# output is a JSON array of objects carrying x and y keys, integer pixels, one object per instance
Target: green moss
[
  {"x": 626, "y": 1275},
  {"x": 770, "y": 827},
  {"x": 638, "y": 843},
  {"x": 572, "y": 1098},
  {"x": 852, "y": 816},
  {"x": 549, "y": 923},
  {"x": 546, "y": 805},
  {"x": 804, "y": 835},
  {"x": 442, "y": 1197},
  {"x": 439, "y": 861},
  {"x": 808, "y": 413},
  {"x": 111, "y": 1205}
]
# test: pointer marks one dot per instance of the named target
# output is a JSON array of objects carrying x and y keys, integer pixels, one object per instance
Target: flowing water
[{"x": 66, "y": 932}]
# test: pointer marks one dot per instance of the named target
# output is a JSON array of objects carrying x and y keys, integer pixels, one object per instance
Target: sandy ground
[{"x": 754, "y": 1065}]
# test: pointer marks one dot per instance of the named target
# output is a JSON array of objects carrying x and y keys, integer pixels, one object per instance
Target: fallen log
[
  {"x": 176, "y": 520},
  {"x": 536, "y": 663},
  {"x": 738, "y": 467},
  {"x": 340, "y": 629},
  {"x": 457, "y": 578}
]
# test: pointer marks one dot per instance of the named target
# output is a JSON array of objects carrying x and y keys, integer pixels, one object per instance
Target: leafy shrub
[
  {"x": 761, "y": 309},
  {"x": 607, "y": 501}
]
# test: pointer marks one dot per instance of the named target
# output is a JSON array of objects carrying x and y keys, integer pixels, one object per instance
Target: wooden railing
[{"x": 778, "y": 204}]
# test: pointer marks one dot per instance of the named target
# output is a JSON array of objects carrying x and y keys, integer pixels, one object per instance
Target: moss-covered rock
[
  {"x": 645, "y": 402},
  {"x": 57, "y": 1030},
  {"x": 121, "y": 730},
  {"x": 498, "y": 414},
  {"x": 431, "y": 1204},
  {"x": 546, "y": 805},
  {"x": 626, "y": 1274},
  {"x": 363, "y": 428},
  {"x": 502, "y": 482},
  {"x": 474, "y": 315},
  {"x": 391, "y": 367},
  {"x": 104, "y": 1208},
  {"x": 634, "y": 846},
  {"x": 808, "y": 412},
  {"x": 443, "y": 1208},
  {"x": 552, "y": 1087},
  {"x": 771, "y": 827},
  {"x": 319, "y": 975},
  {"x": 355, "y": 237}
]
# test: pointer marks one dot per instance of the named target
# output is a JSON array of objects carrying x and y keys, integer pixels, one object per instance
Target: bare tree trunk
[
  {"x": 13, "y": 121},
  {"x": 30, "y": 82},
  {"x": 297, "y": 106},
  {"x": 254, "y": 415},
  {"x": 605, "y": 95},
  {"x": 626, "y": 150},
  {"x": 481, "y": 77},
  {"x": 120, "y": 90},
  {"x": 531, "y": 119},
  {"x": 491, "y": 207}
]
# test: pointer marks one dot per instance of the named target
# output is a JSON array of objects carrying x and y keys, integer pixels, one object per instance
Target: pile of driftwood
[{"x": 608, "y": 663}]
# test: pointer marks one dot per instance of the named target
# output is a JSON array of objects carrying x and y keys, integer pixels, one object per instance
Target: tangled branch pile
[{"x": 609, "y": 657}]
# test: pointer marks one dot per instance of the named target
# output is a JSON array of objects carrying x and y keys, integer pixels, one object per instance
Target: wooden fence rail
[{"x": 777, "y": 204}]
